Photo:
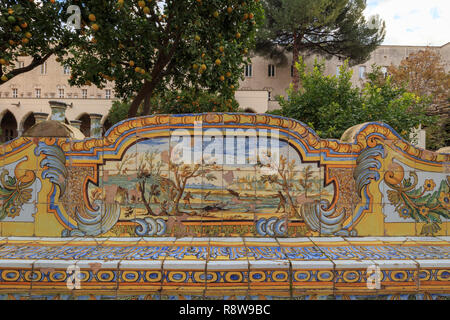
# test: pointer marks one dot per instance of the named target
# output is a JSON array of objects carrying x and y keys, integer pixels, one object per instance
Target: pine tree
[{"x": 328, "y": 27}]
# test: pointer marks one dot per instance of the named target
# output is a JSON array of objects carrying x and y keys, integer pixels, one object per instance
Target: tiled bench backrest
[{"x": 223, "y": 175}]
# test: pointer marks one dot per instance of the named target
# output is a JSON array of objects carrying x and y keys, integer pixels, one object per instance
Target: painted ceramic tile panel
[{"x": 267, "y": 176}]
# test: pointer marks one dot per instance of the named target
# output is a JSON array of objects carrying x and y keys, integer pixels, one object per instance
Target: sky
[{"x": 413, "y": 22}]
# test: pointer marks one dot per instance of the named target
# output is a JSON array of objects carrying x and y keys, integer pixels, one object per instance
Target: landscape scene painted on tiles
[
  {"x": 142, "y": 180},
  {"x": 153, "y": 179}
]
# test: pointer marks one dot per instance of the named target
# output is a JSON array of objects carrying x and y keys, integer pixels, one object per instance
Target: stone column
[
  {"x": 76, "y": 124},
  {"x": 96, "y": 126},
  {"x": 40, "y": 116},
  {"x": 58, "y": 111}
]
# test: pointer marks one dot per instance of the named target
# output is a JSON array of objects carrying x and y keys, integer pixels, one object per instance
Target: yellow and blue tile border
[{"x": 210, "y": 267}]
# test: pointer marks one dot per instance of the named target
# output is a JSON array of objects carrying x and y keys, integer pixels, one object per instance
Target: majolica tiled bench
[
  {"x": 222, "y": 204},
  {"x": 224, "y": 267}
]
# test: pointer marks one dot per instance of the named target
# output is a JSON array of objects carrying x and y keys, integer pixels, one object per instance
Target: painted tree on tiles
[
  {"x": 181, "y": 175},
  {"x": 306, "y": 179},
  {"x": 149, "y": 172},
  {"x": 149, "y": 47},
  {"x": 30, "y": 28},
  {"x": 283, "y": 177},
  {"x": 328, "y": 27}
]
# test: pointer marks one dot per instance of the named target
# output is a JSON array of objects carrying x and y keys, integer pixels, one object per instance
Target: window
[
  {"x": 271, "y": 70},
  {"x": 84, "y": 93},
  {"x": 66, "y": 70},
  {"x": 270, "y": 95},
  {"x": 37, "y": 93},
  {"x": 14, "y": 93},
  {"x": 44, "y": 68},
  {"x": 108, "y": 94},
  {"x": 61, "y": 93},
  {"x": 362, "y": 72},
  {"x": 248, "y": 70}
]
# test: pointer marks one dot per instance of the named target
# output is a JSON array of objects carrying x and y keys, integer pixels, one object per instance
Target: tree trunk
[
  {"x": 177, "y": 201},
  {"x": 138, "y": 99},
  {"x": 295, "y": 55},
  {"x": 147, "y": 205},
  {"x": 146, "y": 104},
  {"x": 147, "y": 88},
  {"x": 291, "y": 202},
  {"x": 163, "y": 61}
]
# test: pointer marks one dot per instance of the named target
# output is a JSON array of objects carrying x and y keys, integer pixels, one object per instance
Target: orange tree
[
  {"x": 190, "y": 100},
  {"x": 30, "y": 28},
  {"x": 149, "y": 47},
  {"x": 193, "y": 101}
]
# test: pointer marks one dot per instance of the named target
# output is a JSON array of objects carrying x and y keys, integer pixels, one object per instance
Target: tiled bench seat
[{"x": 223, "y": 267}]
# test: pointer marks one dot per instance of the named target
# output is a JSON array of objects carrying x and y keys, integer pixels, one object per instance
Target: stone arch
[
  {"x": 85, "y": 126},
  {"x": 28, "y": 120},
  {"x": 8, "y": 125}
]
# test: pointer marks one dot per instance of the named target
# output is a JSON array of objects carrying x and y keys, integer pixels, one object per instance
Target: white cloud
[{"x": 413, "y": 22}]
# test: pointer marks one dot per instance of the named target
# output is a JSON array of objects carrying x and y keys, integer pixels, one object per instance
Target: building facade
[
  {"x": 262, "y": 74},
  {"x": 27, "y": 94}
]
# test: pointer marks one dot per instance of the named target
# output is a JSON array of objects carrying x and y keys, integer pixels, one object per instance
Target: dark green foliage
[
  {"x": 330, "y": 105},
  {"x": 175, "y": 102},
  {"x": 327, "y": 27},
  {"x": 30, "y": 28},
  {"x": 152, "y": 47}
]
